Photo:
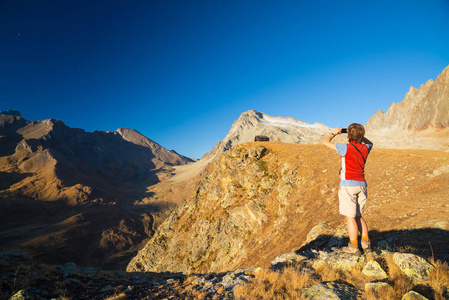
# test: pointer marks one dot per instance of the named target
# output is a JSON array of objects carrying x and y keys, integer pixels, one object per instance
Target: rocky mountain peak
[
  {"x": 283, "y": 129},
  {"x": 421, "y": 109},
  {"x": 11, "y": 112}
]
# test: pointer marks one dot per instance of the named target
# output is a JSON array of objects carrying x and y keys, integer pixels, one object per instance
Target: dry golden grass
[
  {"x": 121, "y": 296},
  {"x": 268, "y": 284},
  {"x": 439, "y": 279}
]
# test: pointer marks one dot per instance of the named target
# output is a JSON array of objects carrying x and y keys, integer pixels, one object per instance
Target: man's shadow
[{"x": 425, "y": 242}]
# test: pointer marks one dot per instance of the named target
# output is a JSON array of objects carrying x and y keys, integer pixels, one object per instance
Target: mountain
[
  {"x": 68, "y": 194},
  {"x": 283, "y": 129},
  {"x": 262, "y": 199},
  {"x": 420, "y": 120}
]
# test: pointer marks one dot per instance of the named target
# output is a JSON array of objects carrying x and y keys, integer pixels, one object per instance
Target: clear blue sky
[{"x": 181, "y": 72}]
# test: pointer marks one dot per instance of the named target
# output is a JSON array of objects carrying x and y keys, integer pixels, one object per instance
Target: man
[{"x": 353, "y": 188}]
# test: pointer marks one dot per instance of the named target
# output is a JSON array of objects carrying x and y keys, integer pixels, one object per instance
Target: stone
[
  {"x": 287, "y": 258},
  {"x": 374, "y": 270},
  {"x": 339, "y": 260},
  {"x": 90, "y": 271},
  {"x": 257, "y": 153},
  {"x": 107, "y": 288},
  {"x": 331, "y": 290},
  {"x": 316, "y": 231},
  {"x": 414, "y": 267},
  {"x": 69, "y": 269},
  {"x": 412, "y": 295},
  {"x": 22, "y": 295},
  {"x": 374, "y": 286}
]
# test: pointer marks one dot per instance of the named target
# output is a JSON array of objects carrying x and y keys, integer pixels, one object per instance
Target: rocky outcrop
[
  {"x": 375, "y": 279},
  {"x": 420, "y": 120},
  {"x": 213, "y": 226},
  {"x": 284, "y": 129},
  {"x": 240, "y": 207},
  {"x": 421, "y": 109}
]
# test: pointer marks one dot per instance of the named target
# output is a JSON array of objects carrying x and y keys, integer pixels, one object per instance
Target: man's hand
[
  {"x": 328, "y": 140},
  {"x": 337, "y": 131}
]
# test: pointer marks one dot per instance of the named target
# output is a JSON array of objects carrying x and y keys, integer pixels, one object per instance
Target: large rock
[
  {"x": 331, "y": 290},
  {"x": 416, "y": 268},
  {"x": 412, "y": 295},
  {"x": 374, "y": 270},
  {"x": 287, "y": 259},
  {"x": 339, "y": 260}
]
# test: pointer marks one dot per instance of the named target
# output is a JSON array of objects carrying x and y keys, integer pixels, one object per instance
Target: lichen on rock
[{"x": 414, "y": 267}]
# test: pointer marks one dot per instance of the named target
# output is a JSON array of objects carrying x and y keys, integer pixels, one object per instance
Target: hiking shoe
[
  {"x": 366, "y": 246},
  {"x": 352, "y": 249}
]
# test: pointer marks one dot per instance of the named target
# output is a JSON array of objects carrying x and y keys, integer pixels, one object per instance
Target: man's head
[{"x": 356, "y": 132}]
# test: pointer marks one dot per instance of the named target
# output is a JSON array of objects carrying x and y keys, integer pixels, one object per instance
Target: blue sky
[{"x": 181, "y": 72}]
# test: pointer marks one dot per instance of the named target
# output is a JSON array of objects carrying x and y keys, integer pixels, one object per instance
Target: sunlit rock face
[
  {"x": 420, "y": 120},
  {"x": 283, "y": 129}
]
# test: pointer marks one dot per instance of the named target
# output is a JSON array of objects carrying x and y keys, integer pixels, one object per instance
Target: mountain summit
[{"x": 283, "y": 129}]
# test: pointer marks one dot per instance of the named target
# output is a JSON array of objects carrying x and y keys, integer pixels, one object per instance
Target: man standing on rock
[{"x": 353, "y": 193}]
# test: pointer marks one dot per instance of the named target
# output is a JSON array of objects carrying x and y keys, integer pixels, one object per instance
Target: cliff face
[
  {"x": 263, "y": 199},
  {"x": 421, "y": 109}
]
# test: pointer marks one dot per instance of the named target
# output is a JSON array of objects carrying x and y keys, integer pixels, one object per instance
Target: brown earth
[{"x": 247, "y": 211}]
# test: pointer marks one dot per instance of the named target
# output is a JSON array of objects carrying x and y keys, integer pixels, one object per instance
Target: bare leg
[
  {"x": 362, "y": 227},
  {"x": 353, "y": 230}
]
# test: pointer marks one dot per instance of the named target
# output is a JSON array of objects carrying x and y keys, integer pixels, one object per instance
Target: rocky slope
[
  {"x": 283, "y": 129},
  {"x": 69, "y": 195},
  {"x": 311, "y": 274},
  {"x": 420, "y": 120},
  {"x": 262, "y": 199}
]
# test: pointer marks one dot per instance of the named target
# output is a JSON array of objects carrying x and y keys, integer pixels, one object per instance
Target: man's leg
[
  {"x": 353, "y": 233},
  {"x": 353, "y": 230},
  {"x": 362, "y": 228}
]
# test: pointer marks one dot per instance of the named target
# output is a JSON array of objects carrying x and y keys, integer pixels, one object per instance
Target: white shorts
[{"x": 352, "y": 200}]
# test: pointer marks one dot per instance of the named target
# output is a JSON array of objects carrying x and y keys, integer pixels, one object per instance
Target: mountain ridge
[{"x": 75, "y": 191}]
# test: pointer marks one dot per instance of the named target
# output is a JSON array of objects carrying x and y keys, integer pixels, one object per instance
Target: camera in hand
[{"x": 344, "y": 130}]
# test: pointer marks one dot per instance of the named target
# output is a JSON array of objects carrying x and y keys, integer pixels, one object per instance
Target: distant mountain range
[{"x": 86, "y": 184}]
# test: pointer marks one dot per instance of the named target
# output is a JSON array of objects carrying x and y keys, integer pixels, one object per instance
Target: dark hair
[{"x": 356, "y": 132}]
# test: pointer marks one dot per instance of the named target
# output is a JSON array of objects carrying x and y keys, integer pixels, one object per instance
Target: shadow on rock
[{"x": 426, "y": 242}]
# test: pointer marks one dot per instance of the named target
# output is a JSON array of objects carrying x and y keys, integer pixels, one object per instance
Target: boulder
[
  {"x": 287, "y": 258},
  {"x": 416, "y": 268},
  {"x": 412, "y": 295},
  {"x": 339, "y": 260},
  {"x": 374, "y": 286},
  {"x": 331, "y": 290},
  {"x": 374, "y": 270}
]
